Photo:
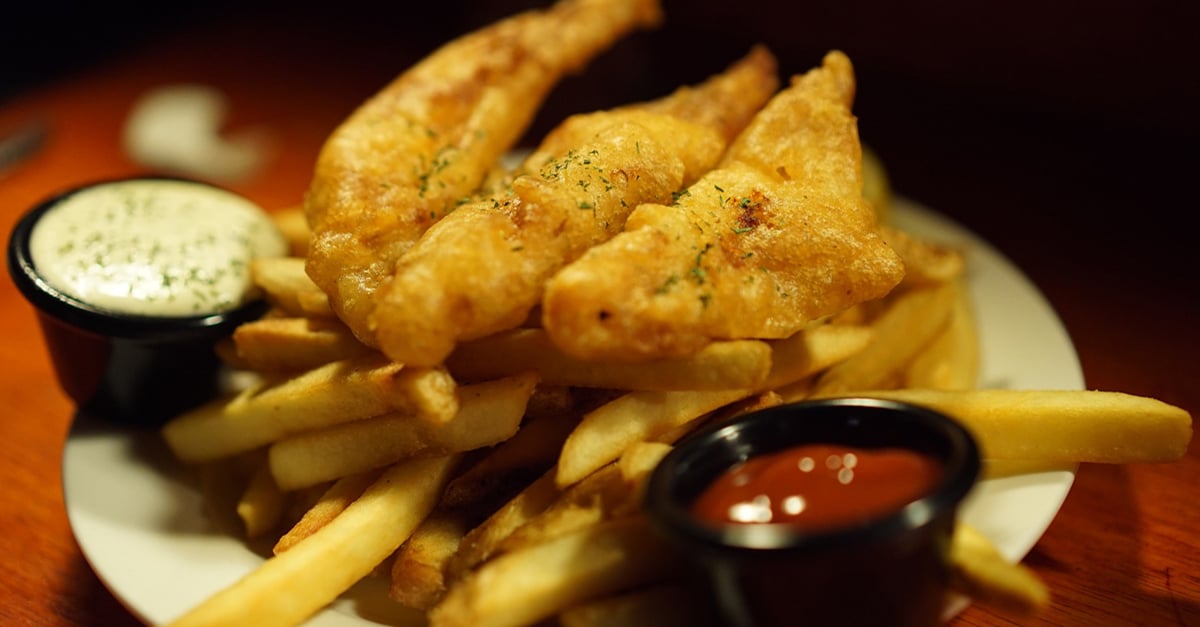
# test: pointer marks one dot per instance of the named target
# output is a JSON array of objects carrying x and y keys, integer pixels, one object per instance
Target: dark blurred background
[{"x": 1076, "y": 116}]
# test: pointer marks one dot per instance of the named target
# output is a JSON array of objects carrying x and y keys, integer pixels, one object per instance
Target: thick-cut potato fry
[
  {"x": 418, "y": 579},
  {"x": 289, "y": 288},
  {"x": 605, "y": 433},
  {"x": 222, "y": 484},
  {"x": 718, "y": 366},
  {"x": 925, "y": 263},
  {"x": 260, "y": 507},
  {"x": 428, "y": 393},
  {"x": 666, "y": 605},
  {"x": 1061, "y": 425},
  {"x": 537, "y": 582},
  {"x": 336, "y": 498},
  {"x": 299, "y": 503},
  {"x": 877, "y": 185},
  {"x": 484, "y": 540},
  {"x": 294, "y": 344},
  {"x": 516, "y": 461},
  {"x": 332, "y": 394},
  {"x": 590, "y": 501},
  {"x": 979, "y": 571},
  {"x": 292, "y": 222},
  {"x": 640, "y": 459},
  {"x": 812, "y": 350},
  {"x": 562, "y": 519},
  {"x": 912, "y": 319},
  {"x": 761, "y": 400},
  {"x": 798, "y": 391},
  {"x": 293, "y": 585},
  {"x": 613, "y": 491},
  {"x": 951, "y": 360},
  {"x": 491, "y": 412}
]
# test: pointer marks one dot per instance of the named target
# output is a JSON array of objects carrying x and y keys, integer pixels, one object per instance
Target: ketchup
[{"x": 818, "y": 486}]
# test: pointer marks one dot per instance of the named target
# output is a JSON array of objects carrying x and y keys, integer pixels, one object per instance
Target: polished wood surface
[{"x": 1087, "y": 188}]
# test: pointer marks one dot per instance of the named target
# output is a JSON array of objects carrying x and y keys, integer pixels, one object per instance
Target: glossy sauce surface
[
  {"x": 153, "y": 247},
  {"x": 818, "y": 486}
]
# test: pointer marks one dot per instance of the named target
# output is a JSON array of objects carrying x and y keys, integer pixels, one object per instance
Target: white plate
[{"x": 140, "y": 522}]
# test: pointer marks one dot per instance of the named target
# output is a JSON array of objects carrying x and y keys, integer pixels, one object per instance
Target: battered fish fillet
[
  {"x": 482, "y": 268},
  {"x": 405, "y": 158},
  {"x": 776, "y": 237}
]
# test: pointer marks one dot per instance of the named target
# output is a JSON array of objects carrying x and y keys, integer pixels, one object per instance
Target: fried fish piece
[
  {"x": 404, "y": 158},
  {"x": 776, "y": 237},
  {"x": 482, "y": 268}
]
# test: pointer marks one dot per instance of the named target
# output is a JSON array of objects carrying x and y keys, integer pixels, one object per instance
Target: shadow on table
[{"x": 1107, "y": 546}]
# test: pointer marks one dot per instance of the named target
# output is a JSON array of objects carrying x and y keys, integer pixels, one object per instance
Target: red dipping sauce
[{"x": 818, "y": 486}]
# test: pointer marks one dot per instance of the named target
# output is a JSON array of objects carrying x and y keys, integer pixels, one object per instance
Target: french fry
[
  {"x": 1061, "y": 425},
  {"x": 417, "y": 575},
  {"x": 798, "y": 391},
  {"x": 718, "y": 366},
  {"x": 288, "y": 287},
  {"x": 562, "y": 519},
  {"x": 222, "y": 484},
  {"x": 665, "y": 605},
  {"x": 539, "y": 581},
  {"x": 640, "y": 460},
  {"x": 979, "y": 571},
  {"x": 332, "y": 394},
  {"x": 292, "y": 222},
  {"x": 260, "y": 507},
  {"x": 909, "y": 323},
  {"x": 516, "y": 461},
  {"x": 588, "y": 502},
  {"x": 429, "y": 393},
  {"x": 336, "y": 498},
  {"x": 812, "y": 350},
  {"x": 761, "y": 400},
  {"x": 299, "y": 502},
  {"x": 925, "y": 263},
  {"x": 605, "y": 433},
  {"x": 294, "y": 344},
  {"x": 877, "y": 187},
  {"x": 484, "y": 540},
  {"x": 611, "y": 492},
  {"x": 490, "y": 412},
  {"x": 951, "y": 360},
  {"x": 293, "y": 585}
]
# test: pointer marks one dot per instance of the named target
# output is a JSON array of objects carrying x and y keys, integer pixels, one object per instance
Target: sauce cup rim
[
  {"x": 70, "y": 310},
  {"x": 696, "y": 461}
]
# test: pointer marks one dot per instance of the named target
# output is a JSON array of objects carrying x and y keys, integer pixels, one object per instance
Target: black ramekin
[
  {"x": 889, "y": 570},
  {"x": 139, "y": 370}
]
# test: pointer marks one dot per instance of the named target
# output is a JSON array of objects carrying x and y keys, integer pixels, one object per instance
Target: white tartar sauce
[{"x": 154, "y": 247}]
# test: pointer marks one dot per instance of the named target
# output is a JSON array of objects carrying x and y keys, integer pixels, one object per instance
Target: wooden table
[{"x": 1090, "y": 207}]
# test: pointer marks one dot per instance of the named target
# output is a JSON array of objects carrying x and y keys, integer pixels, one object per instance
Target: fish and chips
[{"x": 469, "y": 370}]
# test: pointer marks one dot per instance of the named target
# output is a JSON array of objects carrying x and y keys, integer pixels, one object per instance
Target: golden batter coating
[
  {"x": 482, "y": 269},
  {"x": 408, "y": 155},
  {"x": 777, "y": 237}
]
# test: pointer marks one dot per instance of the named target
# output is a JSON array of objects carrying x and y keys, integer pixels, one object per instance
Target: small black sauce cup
[
  {"x": 136, "y": 370},
  {"x": 889, "y": 570}
]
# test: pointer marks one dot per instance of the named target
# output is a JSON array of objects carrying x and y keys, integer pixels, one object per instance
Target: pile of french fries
[{"x": 504, "y": 485}]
